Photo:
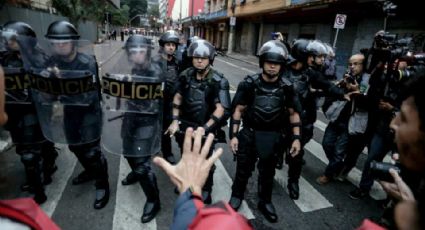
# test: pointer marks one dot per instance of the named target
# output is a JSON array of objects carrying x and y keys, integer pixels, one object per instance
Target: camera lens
[{"x": 381, "y": 170}]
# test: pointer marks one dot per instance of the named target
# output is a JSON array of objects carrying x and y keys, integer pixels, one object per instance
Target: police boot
[
  {"x": 131, "y": 178},
  {"x": 268, "y": 210},
  {"x": 152, "y": 205},
  {"x": 49, "y": 155},
  {"x": 102, "y": 194},
  {"x": 33, "y": 170},
  {"x": 293, "y": 189},
  {"x": 100, "y": 169},
  {"x": 265, "y": 187},
  {"x": 235, "y": 202},
  {"x": 39, "y": 195}
]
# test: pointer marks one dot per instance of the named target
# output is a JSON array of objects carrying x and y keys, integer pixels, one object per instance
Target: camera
[{"x": 381, "y": 170}]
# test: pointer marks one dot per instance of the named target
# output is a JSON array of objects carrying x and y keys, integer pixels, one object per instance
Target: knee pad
[
  {"x": 92, "y": 155},
  {"x": 142, "y": 166}
]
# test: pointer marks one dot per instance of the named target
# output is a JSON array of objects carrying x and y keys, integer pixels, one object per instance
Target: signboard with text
[{"x": 340, "y": 20}]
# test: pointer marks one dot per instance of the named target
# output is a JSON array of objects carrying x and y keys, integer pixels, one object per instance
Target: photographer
[
  {"x": 384, "y": 99},
  {"x": 339, "y": 112},
  {"x": 409, "y": 128}
]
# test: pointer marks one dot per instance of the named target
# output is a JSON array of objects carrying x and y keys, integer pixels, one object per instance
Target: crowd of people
[{"x": 271, "y": 119}]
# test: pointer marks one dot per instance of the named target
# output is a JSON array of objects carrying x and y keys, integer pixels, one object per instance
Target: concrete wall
[{"x": 40, "y": 21}]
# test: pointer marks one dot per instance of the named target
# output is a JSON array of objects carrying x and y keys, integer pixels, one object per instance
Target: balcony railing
[{"x": 215, "y": 15}]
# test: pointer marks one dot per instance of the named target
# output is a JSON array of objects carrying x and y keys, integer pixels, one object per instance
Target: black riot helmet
[
  {"x": 191, "y": 40},
  {"x": 12, "y": 29},
  {"x": 317, "y": 48},
  {"x": 62, "y": 30},
  {"x": 138, "y": 41},
  {"x": 299, "y": 50},
  {"x": 169, "y": 36},
  {"x": 273, "y": 51},
  {"x": 203, "y": 49},
  {"x": 18, "y": 28}
]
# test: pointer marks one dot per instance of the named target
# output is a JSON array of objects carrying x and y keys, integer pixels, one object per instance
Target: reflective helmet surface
[
  {"x": 330, "y": 51},
  {"x": 316, "y": 48},
  {"x": 169, "y": 36},
  {"x": 18, "y": 28},
  {"x": 201, "y": 48},
  {"x": 191, "y": 40},
  {"x": 62, "y": 30},
  {"x": 273, "y": 51},
  {"x": 299, "y": 49},
  {"x": 138, "y": 41}
]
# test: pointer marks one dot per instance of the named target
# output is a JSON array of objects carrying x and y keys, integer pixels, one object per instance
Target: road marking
[
  {"x": 320, "y": 125},
  {"x": 60, "y": 179},
  {"x": 233, "y": 65},
  {"x": 129, "y": 204},
  {"x": 354, "y": 176},
  {"x": 222, "y": 189},
  {"x": 310, "y": 199}
]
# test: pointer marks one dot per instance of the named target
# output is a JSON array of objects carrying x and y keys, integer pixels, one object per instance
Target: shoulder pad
[
  {"x": 251, "y": 78},
  {"x": 217, "y": 76},
  {"x": 187, "y": 73},
  {"x": 285, "y": 81},
  {"x": 83, "y": 58}
]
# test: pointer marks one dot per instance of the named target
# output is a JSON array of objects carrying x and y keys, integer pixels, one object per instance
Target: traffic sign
[
  {"x": 340, "y": 20},
  {"x": 232, "y": 21}
]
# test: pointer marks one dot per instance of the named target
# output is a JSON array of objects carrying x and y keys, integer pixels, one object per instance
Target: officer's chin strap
[
  {"x": 202, "y": 71},
  {"x": 270, "y": 76}
]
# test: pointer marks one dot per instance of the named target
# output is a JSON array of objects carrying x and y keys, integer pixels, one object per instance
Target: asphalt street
[{"x": 319, "y": 207}]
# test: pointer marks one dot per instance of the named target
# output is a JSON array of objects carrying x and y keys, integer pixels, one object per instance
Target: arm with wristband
[{"x": 174, "y": 126}]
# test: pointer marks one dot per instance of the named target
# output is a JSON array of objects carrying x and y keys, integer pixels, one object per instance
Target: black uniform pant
[
  {"x": 295, "y": 163},
  {"x": 166, "y": 121},
  {"x": 141, "y": 168},
  {"x": 93, "y": 161},
  {"x": 37, "y": 154},
  {"x": 246, "y": 159}
]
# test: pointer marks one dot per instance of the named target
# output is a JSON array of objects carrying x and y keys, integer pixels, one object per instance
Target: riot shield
[
  {"x": 23, "y": 122},
  {"x": 132, "y": 107},
  {"x": 64, "y": 88},
  {"x": 17, "y": 85}
]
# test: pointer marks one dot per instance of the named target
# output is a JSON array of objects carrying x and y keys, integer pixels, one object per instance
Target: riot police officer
[
  {"x": 81, "y": 124},
  {"x": 267, "y": 105},
  {"x": 169, "y": 42},
  {"x": 202, "y": 99},
  {"x": 138, "y": 116},
  {"x": 37, "y": 154}
]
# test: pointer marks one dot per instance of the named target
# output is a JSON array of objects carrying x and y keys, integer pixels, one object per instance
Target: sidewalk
[{"x": 247, "y": 58}]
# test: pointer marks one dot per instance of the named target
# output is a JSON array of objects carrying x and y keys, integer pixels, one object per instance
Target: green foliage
[
  {"x": 137, "y": 7},
  {"x": 154, "y": 11},
  {"x": 78, "y": 10}
]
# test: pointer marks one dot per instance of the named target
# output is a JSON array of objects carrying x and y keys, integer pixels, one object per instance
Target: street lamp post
[{"x": 138, "y": 15}]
